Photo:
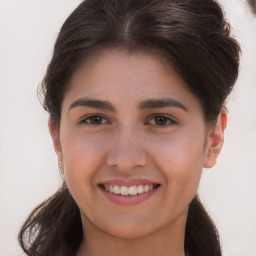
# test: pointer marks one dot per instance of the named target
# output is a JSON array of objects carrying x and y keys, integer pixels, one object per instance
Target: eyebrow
[
  {"x": 100, "y": 104},
  {"x": 147, "y": 104},
  {"x": 161, "y": 103}
]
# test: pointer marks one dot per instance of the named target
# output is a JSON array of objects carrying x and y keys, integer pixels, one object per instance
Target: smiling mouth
[{"x": 128, "y": 191}]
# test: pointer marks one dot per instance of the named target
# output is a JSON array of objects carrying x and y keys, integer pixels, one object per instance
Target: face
[{"x": 133, "y": 142}]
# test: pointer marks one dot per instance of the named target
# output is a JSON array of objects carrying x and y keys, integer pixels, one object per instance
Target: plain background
[{"x": 28, "y": 165}]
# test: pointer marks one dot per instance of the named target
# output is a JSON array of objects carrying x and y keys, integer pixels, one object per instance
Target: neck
[{"x": 166, "y": 241}]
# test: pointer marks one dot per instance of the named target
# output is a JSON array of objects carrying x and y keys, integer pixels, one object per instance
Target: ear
[
  {"x": 54, "y": 131},
  {"x": 215, "y": 139}
]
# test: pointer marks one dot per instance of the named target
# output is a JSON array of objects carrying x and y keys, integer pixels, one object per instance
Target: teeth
[
  {"x": 116, "y": 190},
  {"x": 140, "y": 189},
  {"x": 146, "y": 188},
  {"x": 106, "y": 186},
  {"x": 131, "y": 191},
  {"x": 124, "y": 191},
  {"x": 111, "y": 189}
]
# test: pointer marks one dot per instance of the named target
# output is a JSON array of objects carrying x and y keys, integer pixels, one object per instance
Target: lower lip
[{"x": 128, "y": 200}]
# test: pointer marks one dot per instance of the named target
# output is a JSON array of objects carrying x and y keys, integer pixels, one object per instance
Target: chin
[{"x": 128, "y": 232}]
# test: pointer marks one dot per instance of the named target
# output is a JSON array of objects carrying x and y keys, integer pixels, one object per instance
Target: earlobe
[{"x": 215, "y": 140}]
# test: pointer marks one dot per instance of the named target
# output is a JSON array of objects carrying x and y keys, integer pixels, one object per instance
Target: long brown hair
[{"x": 193, "y": 36}]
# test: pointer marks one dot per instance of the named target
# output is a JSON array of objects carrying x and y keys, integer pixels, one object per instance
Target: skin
[{"x": 130, "y": 143}]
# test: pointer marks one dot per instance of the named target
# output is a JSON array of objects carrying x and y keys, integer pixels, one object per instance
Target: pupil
[
  {"x": 160, "y": 120},
  {"x": 96, "y": 120}
]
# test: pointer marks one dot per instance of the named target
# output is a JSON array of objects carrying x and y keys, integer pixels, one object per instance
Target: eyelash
[
  {"x": 84, "y": 121},
  {"x": 171, "y": 121}
]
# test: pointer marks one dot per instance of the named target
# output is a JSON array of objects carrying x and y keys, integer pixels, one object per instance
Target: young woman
[{"x": 135, "y": 91}]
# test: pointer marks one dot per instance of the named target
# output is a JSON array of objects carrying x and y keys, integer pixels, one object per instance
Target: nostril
[{"x": 126, "y": 160}]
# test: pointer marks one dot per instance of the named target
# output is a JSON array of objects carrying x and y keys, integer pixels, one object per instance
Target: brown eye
[
  {"x": 161, "y": 120},
  {"x": 95, "y": 120}
]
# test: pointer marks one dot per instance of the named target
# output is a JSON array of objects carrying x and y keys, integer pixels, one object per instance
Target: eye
[
  {"x": 161, "y": 120},
  {"x": 94, "y": 120}
]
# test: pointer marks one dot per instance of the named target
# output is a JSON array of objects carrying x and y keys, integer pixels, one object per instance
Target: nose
[{"x": 126, "y": 153}]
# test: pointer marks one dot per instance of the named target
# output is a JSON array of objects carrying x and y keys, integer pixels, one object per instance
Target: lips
[{"x": 126, "y": 192}]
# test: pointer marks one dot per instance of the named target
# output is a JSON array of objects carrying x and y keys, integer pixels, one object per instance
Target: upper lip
[{"x": 128, "y": 183}]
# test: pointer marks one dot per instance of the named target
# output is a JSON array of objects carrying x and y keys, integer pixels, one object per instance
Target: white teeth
[
  {"x": 146, "y": 188},
  {"x": 116, "y": 190},
  {"x": 140, "y": 189},
  {"x": 124, "y": 191},
  {"x": 131, "y": 191},
  {"x": 111, "y": 189}
]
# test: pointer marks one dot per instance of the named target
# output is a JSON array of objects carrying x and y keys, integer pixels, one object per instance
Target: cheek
[
  {"x": 180, "y": 158},
  {"x": 181, "y": 149},
  {"x": 83, "y": 155}
]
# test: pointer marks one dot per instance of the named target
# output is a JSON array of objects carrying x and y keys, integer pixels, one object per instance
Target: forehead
[{"x": 122, "y": 77}]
